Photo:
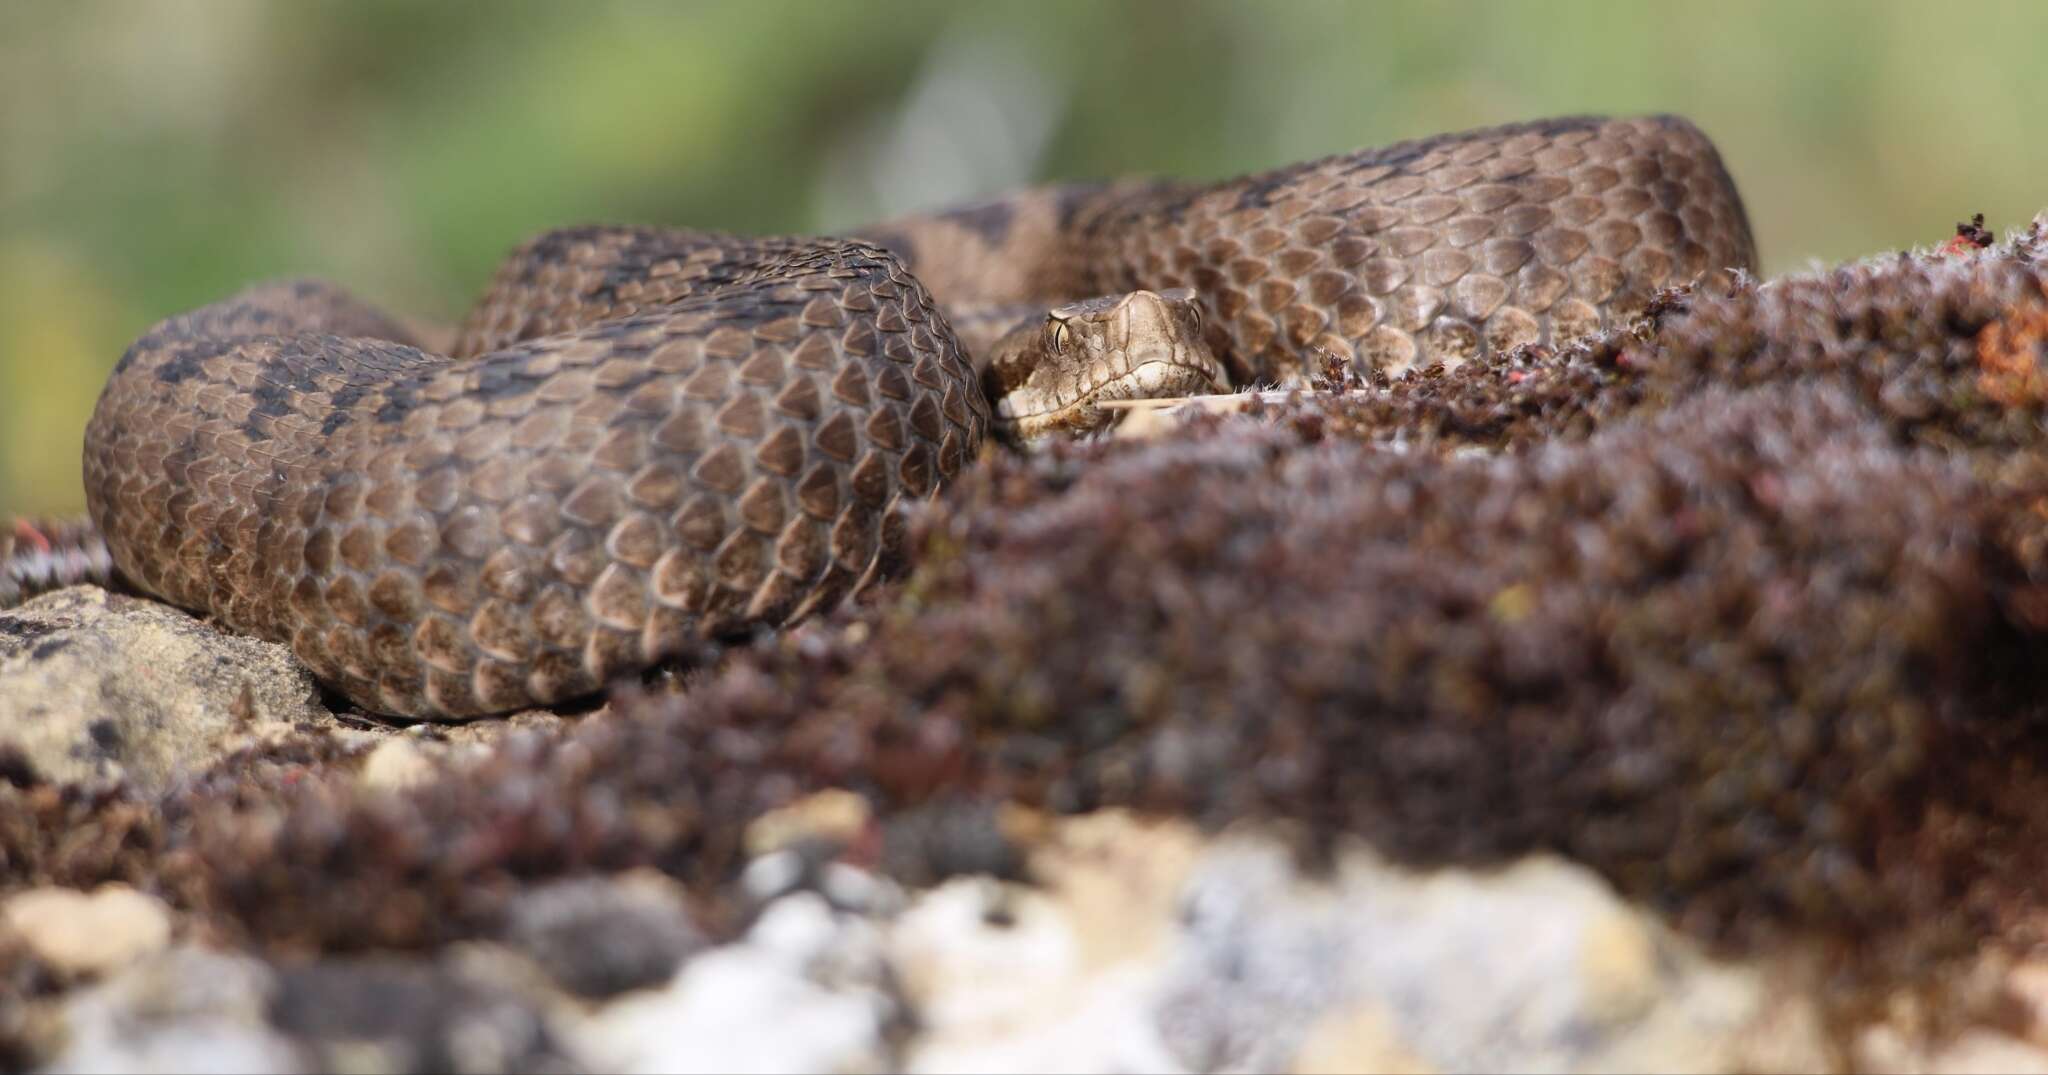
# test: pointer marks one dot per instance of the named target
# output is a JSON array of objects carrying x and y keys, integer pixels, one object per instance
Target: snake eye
[{"x": 1060, "y": 337}]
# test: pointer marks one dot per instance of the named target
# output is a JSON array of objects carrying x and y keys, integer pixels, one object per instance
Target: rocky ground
[{"x": 1666, "y": 701}]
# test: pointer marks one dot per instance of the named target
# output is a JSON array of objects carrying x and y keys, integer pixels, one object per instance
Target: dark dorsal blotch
[{"x": 991, "y": 222}]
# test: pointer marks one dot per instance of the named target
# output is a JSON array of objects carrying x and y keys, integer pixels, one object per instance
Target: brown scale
[
  {"x": 642, "y": 437},
  {"x": 1421, "y": 253},
  {"x": 721, "y": 440}
]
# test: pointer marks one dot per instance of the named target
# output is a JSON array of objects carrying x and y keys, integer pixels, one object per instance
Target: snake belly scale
[{"x": 644, "y": 437}]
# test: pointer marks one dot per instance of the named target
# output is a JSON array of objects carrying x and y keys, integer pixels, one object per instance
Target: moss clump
[
  {"x": 1947, "y": 348},
  {"x": 1716, "y": 655},
  {"x": 1743, "y": 622}
]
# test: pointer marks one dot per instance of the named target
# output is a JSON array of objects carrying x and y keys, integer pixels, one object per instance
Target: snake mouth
[{"x": 1157, "y": 378}]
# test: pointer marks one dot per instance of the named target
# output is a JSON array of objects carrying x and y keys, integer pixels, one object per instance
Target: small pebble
[{"x": 88, "y": 933}]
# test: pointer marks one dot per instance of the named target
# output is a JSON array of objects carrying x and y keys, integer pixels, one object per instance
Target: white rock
[
  {"x": 396, "y": 764},
  {"x": 1538, "y": 966},
  {"x": 88, "y": 933},
  {"x": 1151, "y": 949},
  {"x": 184, "y": 1010},
  {"x": 803, "y": 991},
  {"x": 1062, "y": 977}
]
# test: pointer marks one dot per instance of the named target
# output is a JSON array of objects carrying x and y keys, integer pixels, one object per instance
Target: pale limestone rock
[
  {"x": 1059, "y": 977},
  {"x": 396, "y": 764},
  {"x": 1149, "y": 948},
  {"x": 183, "y": 1010},
  {"x": 805, "y": 990},
  {"x": 92, "y": 933},
  {"x": 1360, "y": 1037},
  {"x": 832, "y": 814},
  {"x": 98, "y": 686}
]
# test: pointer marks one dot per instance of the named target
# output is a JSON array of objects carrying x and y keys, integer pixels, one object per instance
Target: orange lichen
[
  {"x": 1969, "y": 238},
  {"x": 2013, "y": 355}
]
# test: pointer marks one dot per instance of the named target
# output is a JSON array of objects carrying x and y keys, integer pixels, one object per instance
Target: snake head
[{"x": 1051, "y": 378}]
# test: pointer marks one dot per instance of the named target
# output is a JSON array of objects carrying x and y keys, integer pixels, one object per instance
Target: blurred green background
[{"x": 157, "y": 156}]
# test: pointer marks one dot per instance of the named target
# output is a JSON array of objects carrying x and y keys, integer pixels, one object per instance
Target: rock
[
  {"x": 387, "y": 1014},
  {"x": 480, "y": 736},
  {"x": 1662, "y": 634},
  {"x": 188, "y": 1009},
  {"x": 600, "y": 936},
  {"x": 1149, "y": 948},
  {"x": 84, "y": 934},
  {"x": 1141, "y": 945},
  {"x": 97, "y": 686},
  {"x": 1359, "y": 1038},
  {"x": 805, "y": 990},
  {"x": 184, "y": 1010},
  {"x": 831, "y": 815},
  {"x": 410, "y": 755},
  {"x": 1537, "y": 966},
  {"x": 1059, "y": 977},
  {"x": 396, "y": 764}
]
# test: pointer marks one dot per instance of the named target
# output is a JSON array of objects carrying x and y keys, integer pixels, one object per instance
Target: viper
[{"x": 640, "y": 438}]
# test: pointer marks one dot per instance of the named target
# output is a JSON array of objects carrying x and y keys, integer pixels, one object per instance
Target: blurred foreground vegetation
[{"x": 154, "y": 157}]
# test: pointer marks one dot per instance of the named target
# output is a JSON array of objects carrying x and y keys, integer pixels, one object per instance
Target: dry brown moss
[
  {"x": 37, "y": 556},
  {"x": 1744, "y": 623},
  {"x": 1711, "y": 656},
  {"x": 1726, "y": 658},
  {"x": 1945, "y": 347}
]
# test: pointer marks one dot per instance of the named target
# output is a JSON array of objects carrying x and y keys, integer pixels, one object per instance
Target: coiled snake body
[{"x": 642, "y": 438}]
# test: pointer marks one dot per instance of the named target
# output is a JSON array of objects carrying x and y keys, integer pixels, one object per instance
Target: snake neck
[
  {"x": 1423, "y": 253},
  {"x": 1039, "y": 247}
]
